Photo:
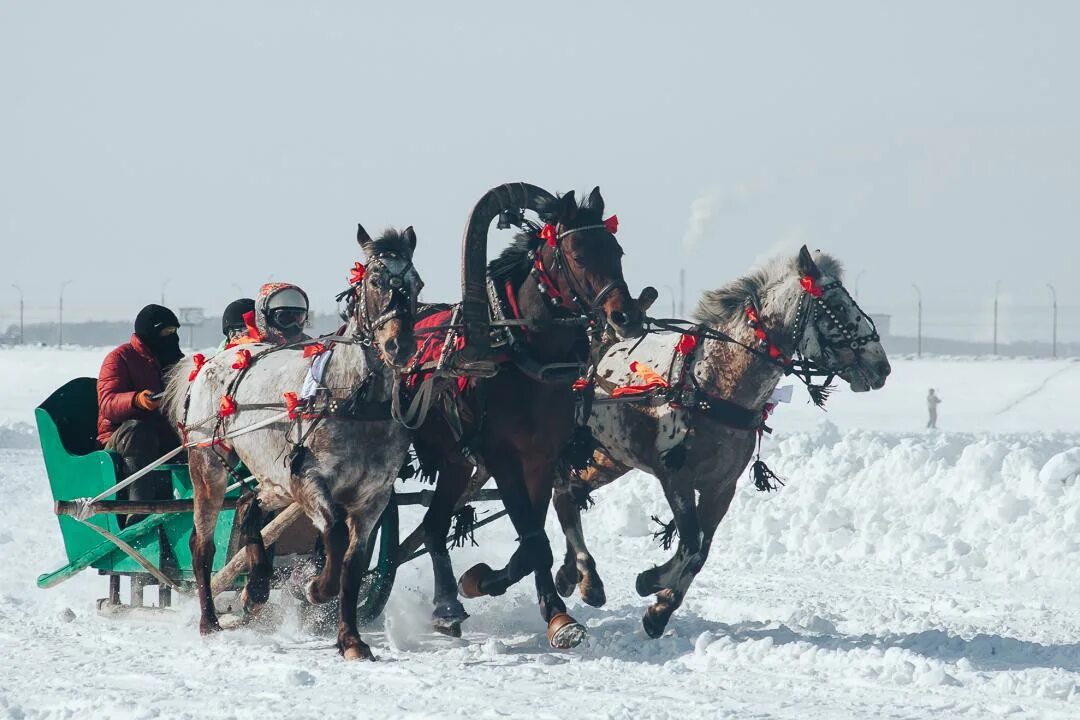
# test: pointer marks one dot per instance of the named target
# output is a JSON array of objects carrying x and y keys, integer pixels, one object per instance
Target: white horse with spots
[{"x": 701, "y": 405}]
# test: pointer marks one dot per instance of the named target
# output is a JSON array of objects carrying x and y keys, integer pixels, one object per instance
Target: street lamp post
[
  {"x": 21, "y": 337},
  {"x": 997, "y": 289},
  {"x": 1053, "y": 302},
  {"x": 918, "y": 346},
  {"x": 163, "y": 285},
  {"x": 60, "y": 317},
  {"x": 857, "y": 276}
]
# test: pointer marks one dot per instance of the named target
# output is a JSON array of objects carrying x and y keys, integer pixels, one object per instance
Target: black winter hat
[
  {"x": 233, "y": 317},
  {"x": 151, "y": 319}
]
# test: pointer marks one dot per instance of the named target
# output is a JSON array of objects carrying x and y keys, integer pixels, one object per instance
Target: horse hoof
[
  {"x": 357, "y": 653},
  {"x": 593, "y": 593},
  {"x": 566, "y": 579},
  {"x": 564, "y": 632},
  {"x": 314, "y": 595},
  {"x": 469, "y": 583},
  {"x": 646, "y": 583},
  {"x": 654, "y": 622},
  {"x": 209, "y": 628},
  {"x": 450, "y": 629}
]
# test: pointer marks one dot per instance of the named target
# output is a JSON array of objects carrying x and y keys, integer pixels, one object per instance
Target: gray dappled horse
[
  {"x": 794, "y": 306},
  {"x": 342, "y": 473}
]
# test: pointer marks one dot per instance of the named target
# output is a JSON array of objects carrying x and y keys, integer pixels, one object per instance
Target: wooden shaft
[
  {"x": 224, "y": 579},
  {"x": 124, "y": 507}
]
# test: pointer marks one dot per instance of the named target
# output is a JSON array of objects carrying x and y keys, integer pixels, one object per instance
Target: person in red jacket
[{"x": 128, "y": 421}]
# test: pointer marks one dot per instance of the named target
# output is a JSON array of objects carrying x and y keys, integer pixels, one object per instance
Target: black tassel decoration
[
  {"x": 764, "y": 478},
  {"x": 820, "y": 393},
  {"x": 464, "y": 527},
  {"x": 666, "y": 534},
  {"x": 579, "y": 450}
]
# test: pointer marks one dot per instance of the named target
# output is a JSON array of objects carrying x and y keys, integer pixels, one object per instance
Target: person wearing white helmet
[{"x": 281, "y": 313}]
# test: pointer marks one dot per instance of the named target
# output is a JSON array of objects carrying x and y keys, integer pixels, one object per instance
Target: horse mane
[
  {"x": 774, "y": 286},
  {"x": 391, "y": 241}
]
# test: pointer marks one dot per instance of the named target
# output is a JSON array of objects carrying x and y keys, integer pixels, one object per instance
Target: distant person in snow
[
  {"x": 281, "y": 312},
  {"x": 128, "y": 422},
  {"x": 932, "y": 401},
  {"x": 238, "y": 324}
]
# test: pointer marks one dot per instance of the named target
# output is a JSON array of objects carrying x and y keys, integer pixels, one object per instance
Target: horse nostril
[
  {"x": 618, "y": 317},
  {"x": 391, "y": 346}
]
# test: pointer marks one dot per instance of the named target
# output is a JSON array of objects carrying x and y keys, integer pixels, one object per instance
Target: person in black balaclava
[
  {"x": 130, "y": 379},
  {"x": 157, "y": 327}
]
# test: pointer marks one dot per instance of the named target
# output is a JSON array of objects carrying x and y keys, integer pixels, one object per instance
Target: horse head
[
  {"x": 583, "y": 261},
  {"x": 383, "y": 305},
  {"x": 836, "y": 335}
]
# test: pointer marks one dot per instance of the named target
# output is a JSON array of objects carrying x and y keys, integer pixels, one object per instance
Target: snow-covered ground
[{"x": 899, "y": 574}]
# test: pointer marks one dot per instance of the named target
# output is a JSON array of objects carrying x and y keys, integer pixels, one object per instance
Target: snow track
[{"x": 897, "y": 575}]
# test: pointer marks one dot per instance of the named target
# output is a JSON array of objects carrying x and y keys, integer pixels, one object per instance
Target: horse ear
[
  {"x": 596, "y": 200},
  {"x": 410, "y": 237},
  {"x": 567, "y": 208},
  {"x": 362, "y": 238},
  {"x": 807, "y": 266}
]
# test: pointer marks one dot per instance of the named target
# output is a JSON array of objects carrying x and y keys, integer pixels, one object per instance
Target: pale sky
[{"x": 209, "y": 143}]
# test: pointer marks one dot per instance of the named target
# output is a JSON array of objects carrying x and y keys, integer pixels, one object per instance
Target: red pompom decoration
[
  {"x": 356, "y": 274},
  {"x": 612, "y": 224},
  {"x": 292, "y": 404},
  {"x": 548, "y": 233},
  {"x": 810, "y": 286},
  {"x": 243, "y": 360},
  {"x": 199, "y": 360},
  {"x": 687, "y": 343},
  {"x": 227, "y": 406}
]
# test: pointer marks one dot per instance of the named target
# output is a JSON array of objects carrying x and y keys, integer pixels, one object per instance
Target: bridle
[
  {"x": 814, "y": 310},
  {"x": 576, "y": 288},
  {"x": 400, "y": 303}
]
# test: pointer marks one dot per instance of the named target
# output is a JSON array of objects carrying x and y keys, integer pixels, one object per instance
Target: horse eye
[{"x": 395, "y": 282}]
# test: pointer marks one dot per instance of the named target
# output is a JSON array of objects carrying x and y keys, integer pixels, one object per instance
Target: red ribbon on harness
[
  {"x": 548, "y": 233},
  {"x": 243, "y": 360},
  {"x": 252, "y": 326},
  {"x": 199, "y": 359},
  {"x": 687, "y": 343},
  {"x": 314, "y": 349},
  {"x": 356, "y": 274},
  {"x": 612, "y": 224},
  {"x": 292, "y": 404},
  {"x": 810, "y": 285},
  {"x": 227, "y": 406},
  {"x": 653, "y": 380}
]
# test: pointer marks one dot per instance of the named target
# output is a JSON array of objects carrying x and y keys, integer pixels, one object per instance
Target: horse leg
[
  {"x": 480, "y": 579},
  {"x": 679, "y": 490},
  {"x": 327, "y": 584},
  {"x": 208, "y": 480},
  {"x": 564, "y": 632},
  {"x": 579, "y": 567},
  {"x": 449, "y": 613},
  {"x": 715, "y": 499},
  {"x": 309, "y": 489},
  {"x": 260, "y": 565},
  {"x": 360, "y": 524}
]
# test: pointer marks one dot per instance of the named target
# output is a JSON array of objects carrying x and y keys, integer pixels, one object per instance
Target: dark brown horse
[{"x": 515, "y": 425}]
